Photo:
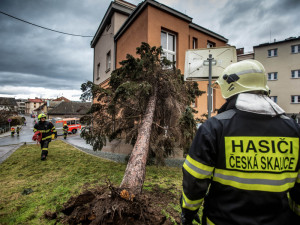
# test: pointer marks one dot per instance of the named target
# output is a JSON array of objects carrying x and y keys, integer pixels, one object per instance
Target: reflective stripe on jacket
[
  {"x": 46, "y": 128},
  {"x": 250, "y": 164}
]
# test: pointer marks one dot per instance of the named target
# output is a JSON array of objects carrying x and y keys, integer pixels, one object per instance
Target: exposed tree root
[{"x": 110, "y": 205}]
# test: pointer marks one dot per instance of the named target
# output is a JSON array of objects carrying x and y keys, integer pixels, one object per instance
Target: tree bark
[{"x": 136, "y": 168}]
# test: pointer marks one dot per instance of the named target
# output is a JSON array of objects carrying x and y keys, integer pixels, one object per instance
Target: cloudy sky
[{"x": 36, "y": 62}]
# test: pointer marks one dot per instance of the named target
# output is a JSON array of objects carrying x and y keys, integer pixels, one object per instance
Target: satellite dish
[{"x": 196, "y": 63}]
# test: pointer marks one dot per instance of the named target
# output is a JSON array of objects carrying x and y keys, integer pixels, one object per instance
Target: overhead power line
[{"x": 78, "y": 35}]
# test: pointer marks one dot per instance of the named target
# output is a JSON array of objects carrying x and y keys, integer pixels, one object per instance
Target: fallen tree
[{"x": 147, "y": 104}]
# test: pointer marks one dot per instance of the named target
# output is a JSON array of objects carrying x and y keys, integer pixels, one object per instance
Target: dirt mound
[{"x": 110, "y": 205}]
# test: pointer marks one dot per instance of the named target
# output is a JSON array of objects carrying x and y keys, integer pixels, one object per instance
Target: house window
[
  {"x": 295, "y": 73},
  {"x": 168, "y": 43},
  {"x": 295, "y": 48},
  {"x": 195, "y": 43},
  {"x": 295, "y": 99},
  {"x": 272, "y": 76},
  {"x": 108, "y": 25},
  {"x": 108, "y": 61},
  {"x": 211, "y": 44},
  {"x": 98, "y": 71},
  {"x": 272, "y": 52},
  {"x": 273, "y": 98}
]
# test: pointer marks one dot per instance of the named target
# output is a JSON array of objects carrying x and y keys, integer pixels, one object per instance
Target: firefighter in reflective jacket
[
  {"x": 65, "y": 130},
  {"x": 12, "y": 131},
  {"x": 243, "y": 164},
  {"x": 18, "y": 130},
  {"x": 47, "y": 129}
]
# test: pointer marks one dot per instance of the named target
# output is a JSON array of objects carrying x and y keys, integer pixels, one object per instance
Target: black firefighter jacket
[
  {"x": 46, "y": 128},
  {"x": 250, "y": 164}
]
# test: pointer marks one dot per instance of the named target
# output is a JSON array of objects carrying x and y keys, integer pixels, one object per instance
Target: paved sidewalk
[
  {"x": 4, "y": 135},
  {"x": 80, "y": 144}
]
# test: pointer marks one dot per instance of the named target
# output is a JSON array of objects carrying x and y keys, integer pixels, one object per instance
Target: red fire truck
[{"x": 73, "y": 124}]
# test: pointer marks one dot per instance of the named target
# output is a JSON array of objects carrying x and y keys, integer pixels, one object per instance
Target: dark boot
[{"x": 44, "y": 154}]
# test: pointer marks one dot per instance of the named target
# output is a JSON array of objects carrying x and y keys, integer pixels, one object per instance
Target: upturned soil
[{"x": 110, "y": 205}]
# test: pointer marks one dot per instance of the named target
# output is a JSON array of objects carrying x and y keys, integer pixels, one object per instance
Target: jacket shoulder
[{"x": 227, "y": 115}]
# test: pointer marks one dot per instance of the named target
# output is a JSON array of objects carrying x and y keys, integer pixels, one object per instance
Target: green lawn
[{"x": 66, "y": 172}]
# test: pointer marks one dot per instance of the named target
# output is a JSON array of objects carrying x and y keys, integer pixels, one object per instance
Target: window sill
[
  {"x": 106, "y": 71},
  {"x": 273, "y": 80},
  {"x": 295, "y": 102},
  {"x": 295, "y": 77},
  {"x": 272, "y": 56}
]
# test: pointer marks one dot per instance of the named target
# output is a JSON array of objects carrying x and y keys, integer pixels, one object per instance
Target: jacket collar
[
  {"x": 253, "y": 103},
  {"x": 258, "y": 103}
]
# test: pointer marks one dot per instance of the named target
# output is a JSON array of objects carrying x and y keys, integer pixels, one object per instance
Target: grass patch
[{"x": 66, "y": 172}]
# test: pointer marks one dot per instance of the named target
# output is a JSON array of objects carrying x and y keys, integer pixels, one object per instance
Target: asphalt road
[{"x": 9, "y": 144}]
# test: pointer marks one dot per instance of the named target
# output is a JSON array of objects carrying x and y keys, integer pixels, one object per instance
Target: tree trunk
[{"x": 136, "y": 168}]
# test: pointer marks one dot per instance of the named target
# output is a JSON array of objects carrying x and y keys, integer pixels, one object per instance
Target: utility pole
[{"x": 211, "y": 62}]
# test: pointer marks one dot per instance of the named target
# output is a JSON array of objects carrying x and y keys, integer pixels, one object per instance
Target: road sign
[
  {"x": 196, "y": 63},
  {"x": 9, "y": 120}
]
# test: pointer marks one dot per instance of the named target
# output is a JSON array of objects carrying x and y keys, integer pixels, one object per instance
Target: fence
[{"x": 4, "y": 128}]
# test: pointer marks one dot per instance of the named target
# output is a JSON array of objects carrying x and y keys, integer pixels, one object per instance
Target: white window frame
[
  {"x": 273, "y": 52},
  {"x": 271, "y": 76},
  {"x": 295, "y": 74},
  {"x": 108, "y": 61},
  {"x": 295, "y": 99},
  {"x": 195, "y": 43},
  {"x": 295, "y": 49},
  {"x": 274, "y": 98},
  {"x": 210, "y": 44},
  {"x": 167, "y": 52}
]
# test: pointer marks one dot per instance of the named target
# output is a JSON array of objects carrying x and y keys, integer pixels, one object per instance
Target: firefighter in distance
[
  {"x": 47, "y": 131},
  {"x": 65, "y": 130}
]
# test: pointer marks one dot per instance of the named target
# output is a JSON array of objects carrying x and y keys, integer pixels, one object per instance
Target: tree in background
[{"x": 147, "y": 104}]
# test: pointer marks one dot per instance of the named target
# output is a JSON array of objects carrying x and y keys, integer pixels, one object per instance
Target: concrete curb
[
  {"x": 6, "y": 155},
  {"x": 86, "y": 151}
]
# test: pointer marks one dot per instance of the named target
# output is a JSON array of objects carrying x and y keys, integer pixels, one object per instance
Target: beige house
[
  {"x": 32, "y": 104},
  {"x": 281, "y": 60},
  {"x": 103, "y": 41}
]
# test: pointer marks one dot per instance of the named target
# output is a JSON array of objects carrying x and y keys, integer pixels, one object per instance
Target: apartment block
[{"x": 281, "y": 60}]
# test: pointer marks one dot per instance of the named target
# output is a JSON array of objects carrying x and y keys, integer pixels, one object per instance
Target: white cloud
[{"x": 39, "y": 92}]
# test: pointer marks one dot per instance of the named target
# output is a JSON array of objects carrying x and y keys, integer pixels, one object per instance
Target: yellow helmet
[
  {"x": 243, "y": 76},
  {"x": 42, "y": 115}
]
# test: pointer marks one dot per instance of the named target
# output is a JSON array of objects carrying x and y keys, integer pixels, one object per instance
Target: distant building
[
  {"x": 125, "y": 26},
  {"x": 69, "y": 109},
  {"x": 241, "y": 55},
  {"x": 281, "y": 60},
  {"x": 8, "y": 104},
  {"x": 32, "y": 104},
  {"x": 21, "y": 105},
  {"x": 50, "y": 104},
  {"x": 61, "y": 99}
]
